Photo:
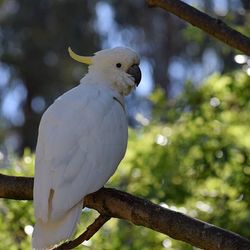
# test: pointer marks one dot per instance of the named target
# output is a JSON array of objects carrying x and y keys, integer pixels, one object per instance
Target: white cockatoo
[{"x": 82, "y": 139}]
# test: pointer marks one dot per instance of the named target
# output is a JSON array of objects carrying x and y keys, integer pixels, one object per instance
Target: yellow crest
[{"x": 81, "y": 59}]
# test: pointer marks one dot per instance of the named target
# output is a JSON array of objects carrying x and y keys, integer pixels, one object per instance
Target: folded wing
[{"x": 82, "y": 139}]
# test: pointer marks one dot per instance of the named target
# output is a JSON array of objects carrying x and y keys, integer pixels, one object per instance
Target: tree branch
[
  {"x": 114, "y": 203},
  {"x": 91, "y": 230},
  {"x": 16, "y": 187},
  {"x": 213, "y": 26}
]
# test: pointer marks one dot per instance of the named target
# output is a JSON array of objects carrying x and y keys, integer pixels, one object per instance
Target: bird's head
[{"x": 117, "y": 67}]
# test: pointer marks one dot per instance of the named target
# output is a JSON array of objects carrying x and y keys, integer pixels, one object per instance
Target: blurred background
[{"x": 189, "y": 137}]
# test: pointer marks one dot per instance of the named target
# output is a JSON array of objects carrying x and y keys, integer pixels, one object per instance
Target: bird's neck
[
  {"x": 102, "y": 83},
  {"x": 100, "y": 80}
]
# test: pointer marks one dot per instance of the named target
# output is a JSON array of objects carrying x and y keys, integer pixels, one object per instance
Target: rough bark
[
  {"x": 117, "y": 204},
  {"x": 213, "y": 26}
]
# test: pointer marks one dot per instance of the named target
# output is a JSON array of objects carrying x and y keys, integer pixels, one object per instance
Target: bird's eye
[{"x": 118, "y": 65}]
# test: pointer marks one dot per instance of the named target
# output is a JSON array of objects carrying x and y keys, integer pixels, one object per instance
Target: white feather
[{"x": 82, "y": 138}]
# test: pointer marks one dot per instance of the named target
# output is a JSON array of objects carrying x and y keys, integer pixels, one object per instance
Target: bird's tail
[{"x": 47, "y": 235}]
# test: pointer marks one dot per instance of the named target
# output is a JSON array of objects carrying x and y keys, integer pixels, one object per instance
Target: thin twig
[
  {"x": 90, "y": 231},
  {"x": 213, "y": 26}
]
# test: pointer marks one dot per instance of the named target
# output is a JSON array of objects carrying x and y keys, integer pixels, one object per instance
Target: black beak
[{"x": 135, "y": 71}]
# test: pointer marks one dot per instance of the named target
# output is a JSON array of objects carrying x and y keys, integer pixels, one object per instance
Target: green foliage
[
  {"x": 193, "y": 157},
  {"x": 16, "y": 215}
]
